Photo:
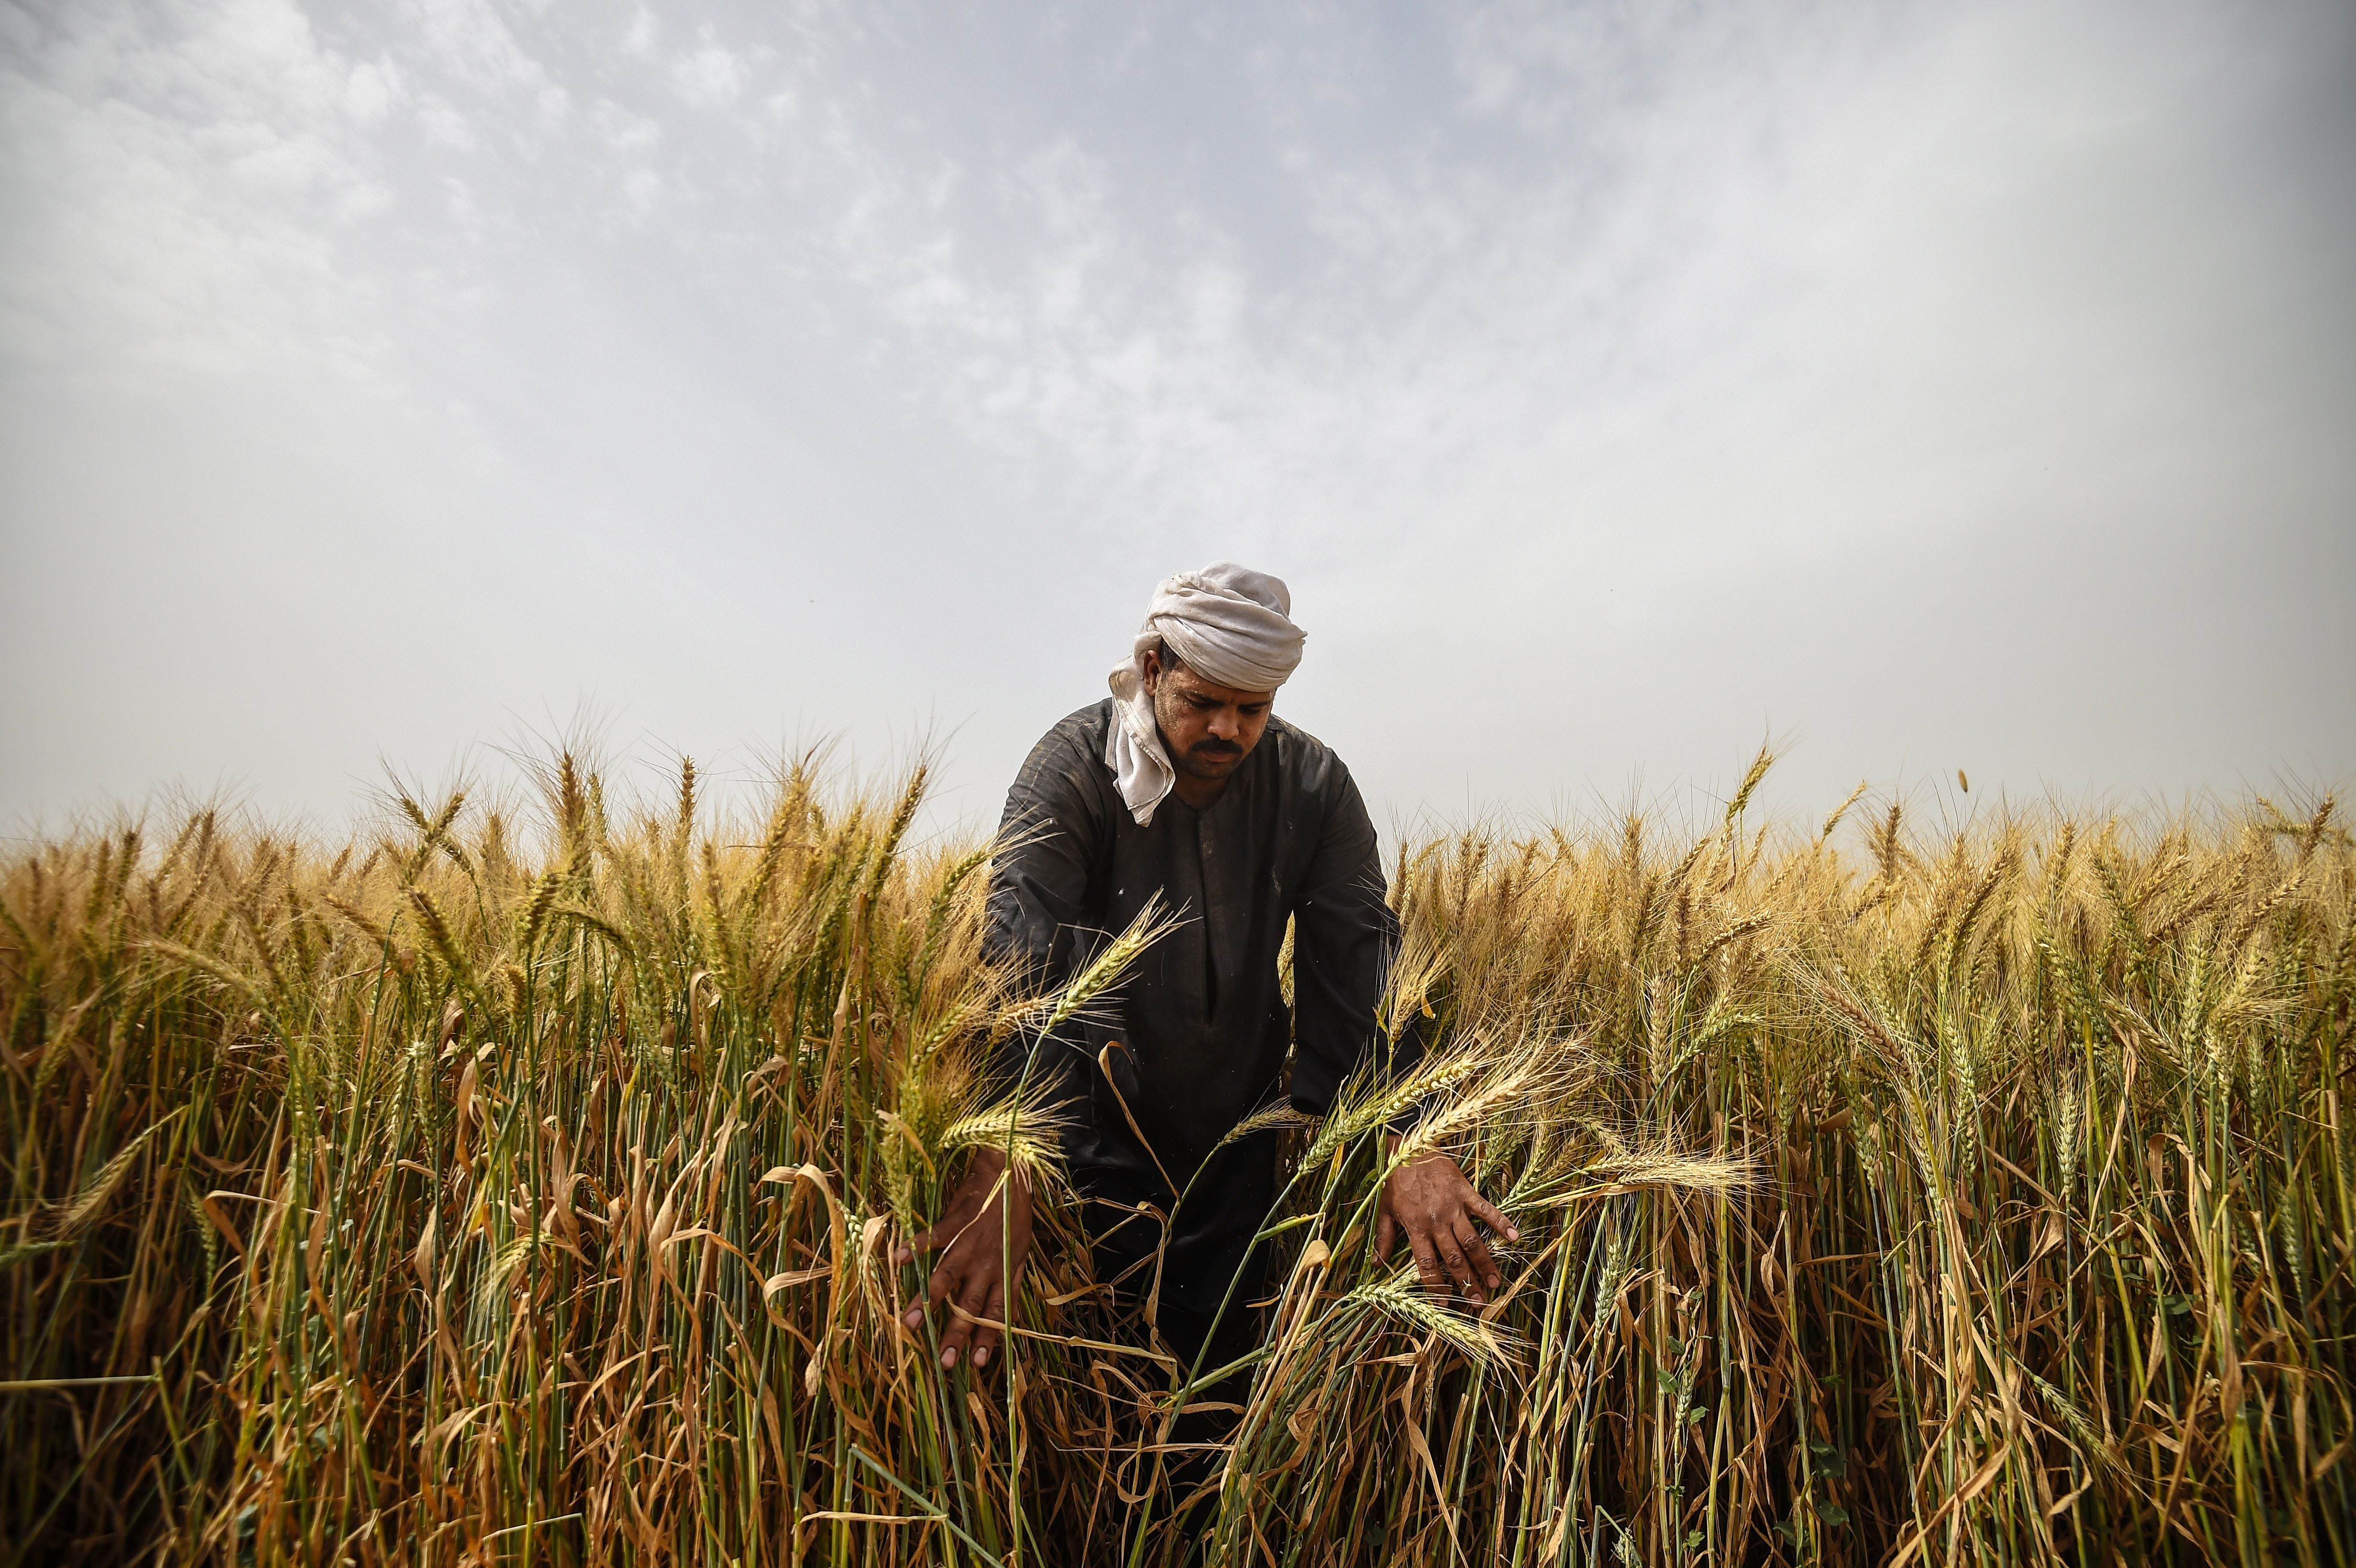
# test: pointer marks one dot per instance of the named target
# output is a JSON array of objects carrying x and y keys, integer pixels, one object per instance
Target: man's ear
[{"x": 1152, "y": 670}]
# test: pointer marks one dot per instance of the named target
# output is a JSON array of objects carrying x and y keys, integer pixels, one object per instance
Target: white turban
[{"x": 1231, "y": 625}]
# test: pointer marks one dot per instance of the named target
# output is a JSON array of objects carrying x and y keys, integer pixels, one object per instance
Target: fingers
[
  {"x": 905, "y": 1253},
  {"x": 985, "y": 1338},
  {"x": 942, "y": 1232},
  {"x": 968, "y": 1268},
  {"x": 1442, "y": 1216},
  {"x": 1477, "y": 1258},
  {"x": 1489, "y": 1214},
  {"x": 975, "y": 1296},
  {"x": 1427, "y": 1260},
  {"x": 963, "y": 1207},
  {"x": 1452, "y": 1254},
  {"x": 936, "y": 1290}
]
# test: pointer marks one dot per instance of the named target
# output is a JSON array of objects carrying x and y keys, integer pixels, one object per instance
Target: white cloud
[
  {"x": 475, "y": 44},
  {"x": 712, "y": 76},
  {"x": 641, "y": 37},
  {"x": 444, "y": 125},
  {"x": 177, "y": 191},
  {"x": 292, "y": 164},
  {"x": 1533, "y": 348},
  {"x": 373, "y": 90},
  {"x": 622, "y": 129},
  {"x": 369, "y": 199}
]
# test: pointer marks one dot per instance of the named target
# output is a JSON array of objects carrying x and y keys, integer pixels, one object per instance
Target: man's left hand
[{"x": 1441, "y": 1214}]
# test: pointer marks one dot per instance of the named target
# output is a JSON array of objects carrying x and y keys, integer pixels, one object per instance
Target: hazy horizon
[{"x": 1927, "y": 388}]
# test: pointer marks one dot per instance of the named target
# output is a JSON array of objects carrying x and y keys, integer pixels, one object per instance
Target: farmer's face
[{"x": 1207, "y": 730}]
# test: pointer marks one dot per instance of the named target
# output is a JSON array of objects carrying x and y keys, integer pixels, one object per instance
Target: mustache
[{"x": 1217, "y": 748}]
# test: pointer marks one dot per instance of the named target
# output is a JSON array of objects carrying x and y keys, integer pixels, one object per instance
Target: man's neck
[{"x": 1198, "y": 793}]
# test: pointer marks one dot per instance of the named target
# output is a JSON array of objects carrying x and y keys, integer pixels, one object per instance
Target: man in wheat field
[{"x": 1184, "y": 787}]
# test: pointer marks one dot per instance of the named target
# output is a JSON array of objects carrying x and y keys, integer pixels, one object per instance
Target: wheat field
[{"x": 518, "y": 1185}]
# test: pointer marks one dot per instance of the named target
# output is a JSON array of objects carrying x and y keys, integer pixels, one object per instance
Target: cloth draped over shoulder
[{"x": 1232, "y": 624}]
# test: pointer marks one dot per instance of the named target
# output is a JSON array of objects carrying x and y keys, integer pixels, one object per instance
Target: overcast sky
[{"x": 1930, "y": 386}]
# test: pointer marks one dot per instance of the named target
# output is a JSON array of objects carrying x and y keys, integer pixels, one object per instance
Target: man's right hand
[{"x": 984, "y": 1234}]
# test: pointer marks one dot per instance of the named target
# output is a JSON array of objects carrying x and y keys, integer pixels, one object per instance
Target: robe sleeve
[
  {"x": 1037, "y": 922},
  {"x": 1344, "y": 937}
]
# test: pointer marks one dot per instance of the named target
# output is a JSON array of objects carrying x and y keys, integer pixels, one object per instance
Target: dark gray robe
[{"x": 1202, "y": 1014}]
